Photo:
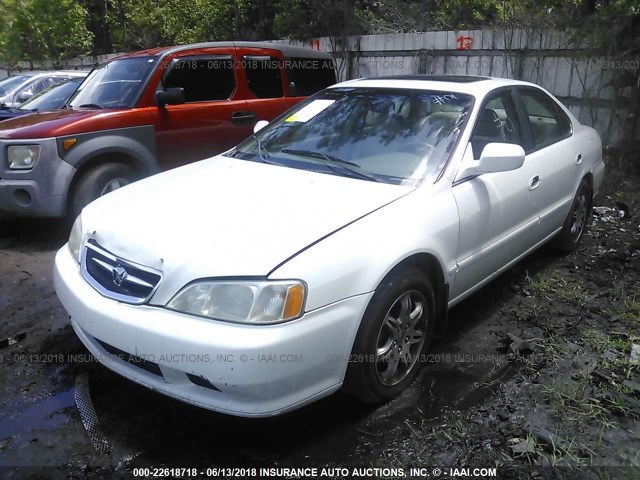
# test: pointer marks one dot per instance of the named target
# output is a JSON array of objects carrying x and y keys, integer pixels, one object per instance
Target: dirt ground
[{"x": 536, "y": 378}]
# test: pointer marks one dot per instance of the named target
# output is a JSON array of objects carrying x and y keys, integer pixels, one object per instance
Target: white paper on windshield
[{"x": 307, "y": 113}]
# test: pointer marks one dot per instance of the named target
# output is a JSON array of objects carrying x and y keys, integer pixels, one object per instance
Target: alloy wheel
[{"x": 401, "y": 338}]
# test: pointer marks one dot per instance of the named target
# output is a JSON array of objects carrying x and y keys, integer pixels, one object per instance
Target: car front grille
[{"x": 116, "y": 278}]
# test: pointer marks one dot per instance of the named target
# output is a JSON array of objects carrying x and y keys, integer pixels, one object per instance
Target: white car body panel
[
  {"x": 277, "y": 202},
  {"x": 263, "y": 384},
  {"x": 226, "y": 217},
  {"x": 367, "y": 250}
]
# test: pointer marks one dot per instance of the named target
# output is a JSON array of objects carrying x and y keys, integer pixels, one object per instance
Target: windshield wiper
[
  {"x": 91, "y": 105},
  {"x": 262, "y": 150},
  {"x": 326, "y": 156},
  {"x": 332, "y": 160},
  {"x": 263, "y": 153}
]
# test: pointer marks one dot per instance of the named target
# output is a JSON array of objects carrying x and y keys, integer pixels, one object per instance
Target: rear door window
[
  {"x": 202, "y": 78},
  {"x": 548, "y": 122},
  {"x": 263, "y": 75}
]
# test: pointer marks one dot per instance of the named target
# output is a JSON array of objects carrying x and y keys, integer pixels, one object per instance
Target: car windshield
[
  {"x": 398, "y": 136},
  {"x": 113, "y": 85},
  {"x": 10, "y": 83},
  {"x": 52, "y": 98}
]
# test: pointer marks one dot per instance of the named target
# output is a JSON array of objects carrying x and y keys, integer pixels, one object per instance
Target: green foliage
[
  {"x": 56, "y": 29},
  {"x": 139, "y": 24},
  {"x": 304, "y": 19},
  {"x": 43, "y": 30},
  {"x": 461, "y": 14}
]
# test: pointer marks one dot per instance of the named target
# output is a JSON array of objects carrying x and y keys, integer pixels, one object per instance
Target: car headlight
[
  {"x": 22, "y": 157},
  {"x": 244, "y": 301},
  {"x": 75, "y": 239}
]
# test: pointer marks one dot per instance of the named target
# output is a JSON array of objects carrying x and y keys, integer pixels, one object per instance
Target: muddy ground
[{"x": 536, "y": 377}]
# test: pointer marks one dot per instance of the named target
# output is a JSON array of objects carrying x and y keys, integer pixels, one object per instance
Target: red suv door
[
  {"x": 214, "y": 116},
  {"x": 263, "y": 80}
]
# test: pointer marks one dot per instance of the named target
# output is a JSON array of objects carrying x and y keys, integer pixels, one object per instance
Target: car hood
[
  {"x": 227, "y": 217},
  {"x": 47, "y": 124}
]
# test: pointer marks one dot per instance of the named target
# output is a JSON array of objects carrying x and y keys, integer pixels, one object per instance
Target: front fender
[
  {"x": 138, "y": 143},
  {"x": 355, "y": 260}
]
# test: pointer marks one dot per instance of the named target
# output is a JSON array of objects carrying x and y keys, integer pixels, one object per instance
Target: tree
[
  {"x": 139, "y": 24},
  {"x": 44, "y": 30},
  {"x": 52, "y": 30},
  {"x": 304, "y": 19}
]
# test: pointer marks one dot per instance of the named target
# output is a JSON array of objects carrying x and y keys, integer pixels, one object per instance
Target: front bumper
[
  {"x": 244, "y": 370},
  {"x": 39, "y": 192}
]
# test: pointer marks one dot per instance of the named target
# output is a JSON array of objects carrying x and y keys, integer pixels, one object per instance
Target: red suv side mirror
[{"x": 170, "y": 96}]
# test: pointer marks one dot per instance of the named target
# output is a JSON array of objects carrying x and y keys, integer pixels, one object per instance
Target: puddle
[{"x": 47, "y": 414}]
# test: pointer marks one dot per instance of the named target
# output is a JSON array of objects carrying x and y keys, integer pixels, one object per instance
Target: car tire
[
  {"x": 97, "y": 182},
  {"x": 394, "y": 334},
  {"x": 575, "y": 225}
]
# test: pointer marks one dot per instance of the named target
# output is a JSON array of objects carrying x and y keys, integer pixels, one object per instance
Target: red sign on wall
[
  {"x": 464, "y": 43},
  {"x": 315, "y": 44}
]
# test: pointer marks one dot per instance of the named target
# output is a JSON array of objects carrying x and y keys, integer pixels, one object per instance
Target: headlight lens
[
  {"x": 75, "y": 239},
  {"x": 256, "y": 302},
  {"x": 23, "y": 157}
]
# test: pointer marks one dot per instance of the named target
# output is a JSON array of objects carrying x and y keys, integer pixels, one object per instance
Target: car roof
[
  {"x": 287, "y": 50},
  {"x": 469, "y": 84},
  {"x": 26, "y": 73},
  {"x": 73, "y": 73},
  {"x": 34, "y": 73}
]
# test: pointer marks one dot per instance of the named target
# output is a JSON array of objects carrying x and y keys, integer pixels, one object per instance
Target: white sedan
[{"x": 325, "y": 250}]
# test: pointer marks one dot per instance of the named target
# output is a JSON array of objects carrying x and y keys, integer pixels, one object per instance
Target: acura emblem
[{"x": 119, "y": 274}]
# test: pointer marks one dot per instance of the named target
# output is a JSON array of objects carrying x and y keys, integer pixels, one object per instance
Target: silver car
[{"x": 19, "y": 88}]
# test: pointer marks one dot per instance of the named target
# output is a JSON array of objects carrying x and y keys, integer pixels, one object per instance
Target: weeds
[
  {"x": 631, "y": 308},
  {"x": 555, "y": 285},
  {"x": 613, "y": 344},
  {"x": 574, "y": 401}
]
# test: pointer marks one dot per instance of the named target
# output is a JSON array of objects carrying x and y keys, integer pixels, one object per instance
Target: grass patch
[
  {"x": 614, "y": 350},
  {"x": 631, "y": 308},
  {"x": 556, "y": 285},
  {"x": 574, "y": 401},
  {"x": 613, "y": 357},
  {"x": 603, "y": 342}
]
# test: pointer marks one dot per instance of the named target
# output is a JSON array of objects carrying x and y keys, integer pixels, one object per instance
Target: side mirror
[
  {"x": 260, "y": 125},
  {"x": 500, "y": 157},
  {"x": 170, "y": 96}
]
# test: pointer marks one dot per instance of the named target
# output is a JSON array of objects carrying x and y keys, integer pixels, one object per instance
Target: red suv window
[
  {"x": 263, "y": 76},
  {"x": 203, "y": 78}
]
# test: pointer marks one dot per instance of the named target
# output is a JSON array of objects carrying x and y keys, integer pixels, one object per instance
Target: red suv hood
[{"x": 63, "y": 122}]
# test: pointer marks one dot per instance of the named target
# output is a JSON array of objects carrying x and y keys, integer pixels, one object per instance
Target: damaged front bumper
[{"x": 244, "y": 370}]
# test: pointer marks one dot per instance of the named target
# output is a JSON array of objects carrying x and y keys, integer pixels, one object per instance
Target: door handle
[
  {"x": 243, "y": 118},
  {"x": 578, "y": 159},
  {"x": 534, "y": 182}
]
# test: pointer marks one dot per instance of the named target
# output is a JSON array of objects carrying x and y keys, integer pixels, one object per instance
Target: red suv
[{"x": 143, "y": 112}]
